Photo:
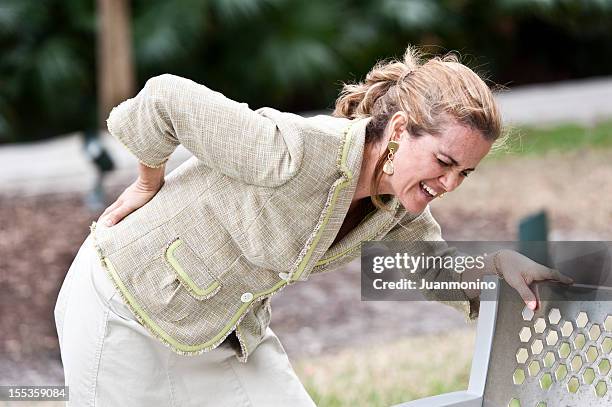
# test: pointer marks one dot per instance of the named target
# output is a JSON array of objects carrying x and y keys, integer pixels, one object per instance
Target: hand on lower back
[{"x": 134, "y": 197}]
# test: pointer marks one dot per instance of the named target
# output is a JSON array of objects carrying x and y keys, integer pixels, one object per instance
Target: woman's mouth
[{"x": 429, "y": 192}]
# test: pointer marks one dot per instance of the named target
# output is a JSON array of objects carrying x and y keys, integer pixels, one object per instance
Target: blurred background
[{"x": 65, "y": 63}]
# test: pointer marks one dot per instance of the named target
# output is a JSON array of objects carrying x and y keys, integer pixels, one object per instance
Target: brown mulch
[{"x": 39, "y": 238}]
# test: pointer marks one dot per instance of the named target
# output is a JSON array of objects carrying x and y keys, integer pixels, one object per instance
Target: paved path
[
  {"x": 59, "y": 165},
  {"x": 584, "y": 101}
]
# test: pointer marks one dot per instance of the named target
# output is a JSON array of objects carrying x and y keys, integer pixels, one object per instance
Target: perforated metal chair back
[{"x": 560, "y": 355}]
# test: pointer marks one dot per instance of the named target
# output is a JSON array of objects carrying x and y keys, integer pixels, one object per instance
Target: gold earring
[{"x": 392, "y": 147}]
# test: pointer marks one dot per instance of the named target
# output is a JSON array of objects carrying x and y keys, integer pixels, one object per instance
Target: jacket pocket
[{"x": 191, "y": 271}]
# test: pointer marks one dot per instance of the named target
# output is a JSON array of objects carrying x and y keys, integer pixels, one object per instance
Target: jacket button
[
  {"x": 246, "y": 297},
  {"x": 284, "y": 276}
]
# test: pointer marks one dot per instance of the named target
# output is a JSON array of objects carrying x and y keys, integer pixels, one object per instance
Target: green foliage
[
  {"x": 290, "y": 54},
  {"x": 46, "y": 69},
  {"x": 566, "y": 137}
]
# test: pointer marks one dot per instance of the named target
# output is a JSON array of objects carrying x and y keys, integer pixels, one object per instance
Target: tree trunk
[{"x": 115, "y": 63}]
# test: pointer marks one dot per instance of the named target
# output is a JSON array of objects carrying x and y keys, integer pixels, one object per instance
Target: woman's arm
[
  {"x": 225, "y": 135},
  {"x": 518, "y": 270}
]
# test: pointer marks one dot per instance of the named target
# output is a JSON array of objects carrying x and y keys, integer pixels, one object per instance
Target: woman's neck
[{"x": 371, "y": 153}]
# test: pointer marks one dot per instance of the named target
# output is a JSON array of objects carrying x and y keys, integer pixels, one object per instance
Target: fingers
[
  {"x": 554, "y": 274},
  {"x": 527, "y": 295},
  {"x": 109, "y": 209},
  {"x": 557, "y": 275},
  {"x": 114, "y": 216}
]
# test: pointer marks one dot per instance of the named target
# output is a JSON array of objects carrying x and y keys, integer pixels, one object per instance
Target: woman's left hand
[
  {"x": 520, "y": 271},
  {"x": 141, "y": 191}
]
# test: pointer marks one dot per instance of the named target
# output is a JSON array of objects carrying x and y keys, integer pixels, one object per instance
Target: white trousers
[{"x": 110, "y": 359}]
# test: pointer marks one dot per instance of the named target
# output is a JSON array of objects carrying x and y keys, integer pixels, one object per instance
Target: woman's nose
[{"x": 450, "y": 181}]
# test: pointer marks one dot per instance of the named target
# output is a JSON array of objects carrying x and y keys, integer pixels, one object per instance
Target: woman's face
[{"x": 427, "y": 166}]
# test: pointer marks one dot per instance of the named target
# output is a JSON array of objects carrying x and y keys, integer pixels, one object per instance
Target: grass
[
  {"x": 567, "y": 137},
  {"x": 391, "y": 373}
]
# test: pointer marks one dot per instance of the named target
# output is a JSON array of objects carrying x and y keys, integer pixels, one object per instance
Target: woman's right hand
[
  {"x": 520, "y": 271},
  {"x": 140, "y": 192}
]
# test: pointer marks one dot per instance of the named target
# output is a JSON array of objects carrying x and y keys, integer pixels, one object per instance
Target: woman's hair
[{"x": 429, "y": 91}]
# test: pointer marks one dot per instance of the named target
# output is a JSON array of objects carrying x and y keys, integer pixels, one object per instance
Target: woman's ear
[{"x": 398, "y": 122}]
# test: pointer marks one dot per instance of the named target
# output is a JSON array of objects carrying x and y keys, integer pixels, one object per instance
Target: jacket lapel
[{"x": 374, "y": 226}]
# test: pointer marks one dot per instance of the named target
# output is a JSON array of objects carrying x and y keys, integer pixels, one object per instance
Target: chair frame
[{"x": 485, "y": 331}]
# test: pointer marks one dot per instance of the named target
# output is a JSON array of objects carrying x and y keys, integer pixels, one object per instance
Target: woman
[{"x": 170, "y": 293}]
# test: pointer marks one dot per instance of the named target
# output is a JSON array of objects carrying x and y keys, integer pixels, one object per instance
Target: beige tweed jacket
[{"x": 255, "y": 209}]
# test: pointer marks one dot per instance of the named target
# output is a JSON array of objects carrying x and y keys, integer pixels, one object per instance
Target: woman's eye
[
  {"x": 442, "y": 163},
  {"x": 465, "y": 174}
]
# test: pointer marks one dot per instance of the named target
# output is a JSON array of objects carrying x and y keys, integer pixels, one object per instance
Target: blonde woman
[{"x": 168, "y": 300}]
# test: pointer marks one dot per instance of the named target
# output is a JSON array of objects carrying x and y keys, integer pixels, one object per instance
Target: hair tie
[{"x": 407, "y": 74}]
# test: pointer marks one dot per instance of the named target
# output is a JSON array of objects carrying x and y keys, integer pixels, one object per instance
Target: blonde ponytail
[{"x": 357, "y": 100}]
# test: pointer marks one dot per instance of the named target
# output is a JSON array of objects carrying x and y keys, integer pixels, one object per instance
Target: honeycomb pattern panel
[
  {"x": 549, "y": 359},
  {"x": 561, "y": 373},
  {"x": 525, "y": 334},
  {"x": 552, "y": 338},
  {"x": 564, "y": 350},
  {"x": 527, "y": 314},
  {"x": 588, "y": 375},
  {"x": 534, "y": 368},
  {"x": 566, "y": 329},
  {"x": 554, "y": 316},
  {"x": 573, "y": 384},
  {"x": 591, "y": 354},
  {"x": 539, "y": 326},
  {"x": 581, "y": 319},
  {"x": 606, "y": 345},
  {"x": 594, "y": 332},
  {"x": 571, "y": 352},
  {"x": 537, "y": 346},
  {"x": 579, "y": 341},
  {"x": 601, "y": 389},
  {"x": 604, "y": 367},
  {"x": 519, "y": 376},
  {"x": 522, "y": 355},
  {"x": 546, "y": 381},
  {"x": 576, "y": 363}
]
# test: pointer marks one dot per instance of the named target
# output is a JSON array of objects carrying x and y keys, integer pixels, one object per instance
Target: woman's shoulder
[{"x": 319, "y": 123}]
